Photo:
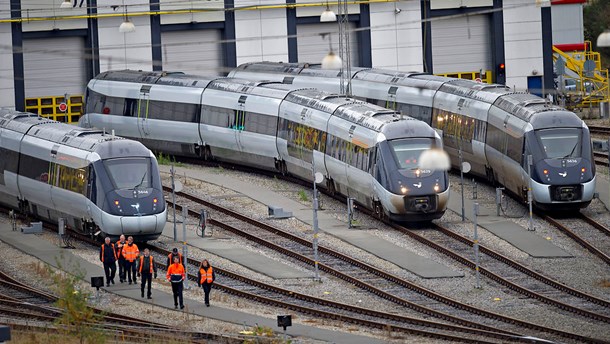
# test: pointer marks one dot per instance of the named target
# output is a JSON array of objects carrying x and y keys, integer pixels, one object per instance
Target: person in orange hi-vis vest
[
  {"x": 175, "y": 274},
  {"x": 146, "y": 268},
  {"x": 119, "y": 253},
  {"x": 131, "y": 252},
  {"x": 205, "y": 278},
  {"x": 108, "y": 258}
]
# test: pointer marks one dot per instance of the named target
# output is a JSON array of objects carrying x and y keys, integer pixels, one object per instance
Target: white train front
[
  {"x": 97, "y": 182},
  {"x": 365, "y": 152},
  {"x": 494, "y": 128}
]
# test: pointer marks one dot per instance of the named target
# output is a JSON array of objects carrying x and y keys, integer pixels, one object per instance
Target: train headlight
[
  {"x": 436, "y": 188},
  {"x": 403, "y": 190},
  {"x": 583, "y": 170},
  {"x": 545, "y": 171},
  {"x": 116, "y": 202},
  {"x": 417, "y": 172},
  {"x": 155, "y": 201}
]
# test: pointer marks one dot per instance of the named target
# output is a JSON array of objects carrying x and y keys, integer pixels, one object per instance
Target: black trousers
[
  {"x": 122, "y": 269},
  {"x": 130, "y": 268},
  {"x": 110, "y": 270},
  {"x": 146, "y": 277},
  {"x": 177, "y": 290},
  {"x": 206, "y": 290}
]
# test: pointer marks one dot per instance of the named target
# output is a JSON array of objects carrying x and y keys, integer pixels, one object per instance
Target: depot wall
[{"x": 396, "y": 40}]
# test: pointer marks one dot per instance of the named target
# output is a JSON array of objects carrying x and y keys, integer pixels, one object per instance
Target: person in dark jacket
[
  {"x": 119, "y": 253},
  {"x": 176, "y": 275},
  {"x": 205, "y": 278},
  {"x": 146, "y": 268},
  {"x": 175, "y": 253},
  {"x": 109, "y": 258}
]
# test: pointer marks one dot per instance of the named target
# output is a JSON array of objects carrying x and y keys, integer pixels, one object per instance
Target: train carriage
[
  {"x": 359, "y": 147},
  {"x": 96, "y": 182},
  {"x": 493, "y": 128}
]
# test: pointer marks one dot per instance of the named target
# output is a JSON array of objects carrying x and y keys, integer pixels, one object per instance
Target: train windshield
[
  {"x": 129, "y": 173},
  {"x": 408, "y": 151},
  {"x": 560, "y": 142}
]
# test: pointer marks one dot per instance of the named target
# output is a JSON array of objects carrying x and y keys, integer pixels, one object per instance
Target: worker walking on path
[
  {"x": 119, "y": 253},
  {"x": 175, "y": 274},
  {"x": 146, "y": 269},
  {"x": 108, "y": 258},
  {"x": 175, "y": 253},
  {"x": 205, "y": 278},
  {"x": 131, "y": 252}
]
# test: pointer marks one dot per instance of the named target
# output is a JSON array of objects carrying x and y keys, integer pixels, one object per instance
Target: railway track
[
  {"x": 585, "y": 231},
  {"x": 265, "y": 293},
  {"x": 515, "y": 275},
  {"x": 600, "y": 158},
  {"x": 392, "y": 286},
  {"x": 596, "y": 129}
]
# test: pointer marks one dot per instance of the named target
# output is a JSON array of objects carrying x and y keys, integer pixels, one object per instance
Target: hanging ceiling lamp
[
  {"x": 331, "y": 61},
  {"x": 603, "y": 40},
  {"x": 126, "y": 25},
  {"x": 66, "y": 4},
  {"x": 328, "y": 15}
]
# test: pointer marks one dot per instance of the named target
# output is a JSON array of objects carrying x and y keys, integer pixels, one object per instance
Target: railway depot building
[{"x": 49, "y": 50}]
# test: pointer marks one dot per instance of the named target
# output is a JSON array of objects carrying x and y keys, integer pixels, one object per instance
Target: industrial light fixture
[
  {"x": 126, "y": 25},
  {"x": 603, "y": 40},
  {"x": 66, "y": 4},
  {"x": 331, "y": 61},
  {"x": 328, "y": 15}
]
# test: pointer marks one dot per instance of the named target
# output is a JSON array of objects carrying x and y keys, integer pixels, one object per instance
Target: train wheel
[
  {"x": 330, "y": 187},
  {"x": 378, "y": 210},
  {"x": 491, "y": 178},
  {"x": 282, "y": 168},
  {"x": 207, "y": 153}
]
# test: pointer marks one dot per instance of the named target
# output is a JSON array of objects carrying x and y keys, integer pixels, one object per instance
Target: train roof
[{"x": 106, "y": 146}]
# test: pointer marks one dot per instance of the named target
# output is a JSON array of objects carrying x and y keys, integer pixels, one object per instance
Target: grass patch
[
  {"x": 303, "y": 196},
  {"x": 166, "y": 159}
]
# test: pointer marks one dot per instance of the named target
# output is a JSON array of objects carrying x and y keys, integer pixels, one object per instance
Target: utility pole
[
  {"x": 315, "y": 221},
  {"x": 344, "y": 49},
  {"x": 174, "y": 200},
  {"x": 529, "y": 191}
]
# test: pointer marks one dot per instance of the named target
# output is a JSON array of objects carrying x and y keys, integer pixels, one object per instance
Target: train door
[
  {"x": 390, "y": 102},
  {"x": 239, "y": 124},
  {"x": 143, "y": 110}
]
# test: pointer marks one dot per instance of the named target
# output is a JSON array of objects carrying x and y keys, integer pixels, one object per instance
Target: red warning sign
[{"x": 63, "y": 107}]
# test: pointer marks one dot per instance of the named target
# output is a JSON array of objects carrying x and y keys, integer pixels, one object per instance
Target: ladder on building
[{"x": 580, "y": 77}]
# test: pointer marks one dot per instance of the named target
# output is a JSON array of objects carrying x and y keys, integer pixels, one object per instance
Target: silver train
[
  {"x": 97, "y": 182},
  {"x": 366, "y": 152},
  {"x": 494, "y": 128}
]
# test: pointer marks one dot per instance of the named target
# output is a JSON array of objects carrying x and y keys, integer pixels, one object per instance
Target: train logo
[
  {"x": 564, "y": 174},
  {"x": 418, "y": 185},
  {"x": 136, "y": 207}
]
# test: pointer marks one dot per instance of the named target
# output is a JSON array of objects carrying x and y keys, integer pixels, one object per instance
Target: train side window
[{"x": 514, "y": 148}]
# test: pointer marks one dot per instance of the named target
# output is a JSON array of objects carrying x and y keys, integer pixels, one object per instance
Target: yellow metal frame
[
  {"x": 48, "y": 107},
  {"x": 589, "y": 89},
  {"x": 469, "y": 76}
]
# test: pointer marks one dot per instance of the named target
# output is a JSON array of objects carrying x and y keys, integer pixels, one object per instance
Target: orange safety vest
[
  {"x": 171, "y": 258},
  {"x": 206, "y": 275},
  {"x": 113, "y": 251},
  {"x": 142, "y": 261},
  {"x": 131, "y": 252},
  {"x": 175, "y": 269},
  {"x": 119, "y": 248}
]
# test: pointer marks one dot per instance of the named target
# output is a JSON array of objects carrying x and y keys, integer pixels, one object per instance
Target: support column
[
  {"x": 229, "y": 48},
  {"x": 364, "y": 37},
  {"x": 92, "y": 40},
  {"x": 291, "y": 27},
  {"x": 426, "y": 31},
  {"x": 155, "y": 36},
  {"x": 497, "y": 40},
  {"x": 547, "y": 50},
  {"x": 17, "y": 42}
]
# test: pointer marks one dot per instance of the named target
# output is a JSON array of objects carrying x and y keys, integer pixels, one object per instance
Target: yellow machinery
[
  {"x": 470, "y": 76},
  {"x": 585, "y": 82},
  {"x": 53, "y": 107}
]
